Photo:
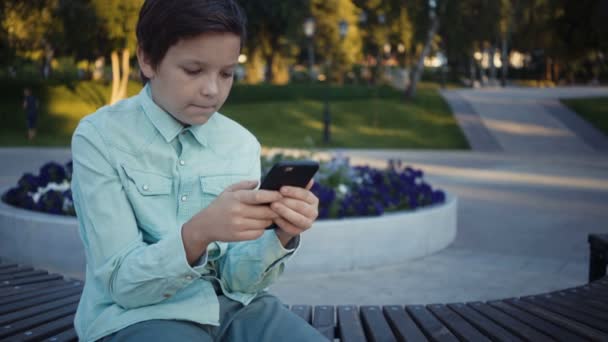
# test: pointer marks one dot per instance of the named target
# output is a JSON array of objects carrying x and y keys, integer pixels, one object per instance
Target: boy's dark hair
[{"x": 162, "y": 23}]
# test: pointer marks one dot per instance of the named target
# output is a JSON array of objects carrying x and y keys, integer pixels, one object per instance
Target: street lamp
[
  {"x": 342, "y": 30},
  {"x": 309, "y": 31}
]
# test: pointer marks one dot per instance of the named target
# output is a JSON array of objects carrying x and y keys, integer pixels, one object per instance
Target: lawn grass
[
  {"x": 288, "y": 116},
  {"x": 594, "y": 110}
]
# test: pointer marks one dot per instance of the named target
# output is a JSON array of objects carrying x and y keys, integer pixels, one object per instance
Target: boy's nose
[{"x": 209, "y": 87}]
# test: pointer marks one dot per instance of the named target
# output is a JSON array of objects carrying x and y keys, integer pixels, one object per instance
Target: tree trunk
[
  {"x": 120, "y": 81},
  {"x": 269, "y": 64},
  {"x": 492, "y": 66},
  {"x": 548, "y": 63},
  {"x": 115, "y": 76},
  {"x": 472, "y": 71},
  {"x": 410, "y": 92},
  {"x": 126, "y": 70},
  {"x": 505, "y": 62}
]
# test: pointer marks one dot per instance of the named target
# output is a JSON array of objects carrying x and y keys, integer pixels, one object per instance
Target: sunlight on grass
[
  {"x": 594, "y": 110},
  {"x": 359, "y": 120}
]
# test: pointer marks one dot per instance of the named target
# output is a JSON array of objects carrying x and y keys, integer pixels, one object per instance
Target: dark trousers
[{"x": 264, "y": 319}]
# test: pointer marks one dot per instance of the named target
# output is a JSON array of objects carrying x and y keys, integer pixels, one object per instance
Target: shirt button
[
  {"x": 146, "y": 187},
  {"x": 182, "y": 163},
  {"x": 189, "y": 277},
  {"x": 184, "y": 198},
  {"x": 167, "y": 295}
]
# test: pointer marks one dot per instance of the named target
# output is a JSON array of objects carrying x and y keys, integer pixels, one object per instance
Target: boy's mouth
[{"x": 204, "y": 107}]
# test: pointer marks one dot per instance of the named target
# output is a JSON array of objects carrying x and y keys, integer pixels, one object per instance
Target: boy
[{"x": 158, "y": 267}]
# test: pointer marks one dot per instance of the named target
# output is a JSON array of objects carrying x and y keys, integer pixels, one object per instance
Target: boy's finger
[
  {"x": 299, "y": 193},
  {"x": 258, "y": 196},
  {"x": 292, "y": 216},
  {"x": 243, "y": 185},
  {"x": 253, "y": 224},
  {"x": 259, "y": 212},
  {"x": 310, "y": 184},
  {"x": 301, "y": 207}
]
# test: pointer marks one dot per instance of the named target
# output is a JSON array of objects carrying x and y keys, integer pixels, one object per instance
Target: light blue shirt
[{"x": 139, "y": 175}]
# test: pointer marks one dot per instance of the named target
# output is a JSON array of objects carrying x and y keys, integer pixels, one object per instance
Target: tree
[
  {"x": 273, "y": 25},
  {"x": 340, "y": 53},
  {"x": 416, "y": 73},
  {"x": 385, "y": 22},
  {"x": 118, "y": 19},
  {"x": 30, "y": 28},
  {"x": 83, "y": 37}
]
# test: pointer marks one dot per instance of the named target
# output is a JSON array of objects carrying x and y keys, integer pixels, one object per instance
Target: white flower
[
  {"x": 65, "y": 185},
  {"x": 343, "y": 189}
]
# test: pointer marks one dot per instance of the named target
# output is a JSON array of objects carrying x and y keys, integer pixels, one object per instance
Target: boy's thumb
[{"x": 243, "y": 185}]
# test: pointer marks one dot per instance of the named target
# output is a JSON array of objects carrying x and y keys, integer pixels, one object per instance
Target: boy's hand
[
  {"x": 297, "y": 211},
  {"x": 237, "y": 214}
]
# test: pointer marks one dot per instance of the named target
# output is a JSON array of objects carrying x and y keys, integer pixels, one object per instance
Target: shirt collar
[{"x": 166, "y": 124}]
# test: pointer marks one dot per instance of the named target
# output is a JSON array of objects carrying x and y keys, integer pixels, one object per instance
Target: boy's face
[{"x": 194, "y": 78}]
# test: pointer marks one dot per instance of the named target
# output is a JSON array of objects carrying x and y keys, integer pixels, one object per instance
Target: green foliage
[
  {"x": 359, "y": 119},
  {"x": 594, "y": 110},
  {"x": 340, "y": 54},
  {"x": 28, "y": 26},
  {"x": 118, "y": 19}
]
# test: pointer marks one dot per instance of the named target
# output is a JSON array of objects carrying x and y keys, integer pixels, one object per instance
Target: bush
[{"x": 343, "y": 190}]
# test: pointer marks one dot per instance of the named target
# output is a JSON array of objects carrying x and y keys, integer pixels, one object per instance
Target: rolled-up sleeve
[{"x": 132, "y": 272}]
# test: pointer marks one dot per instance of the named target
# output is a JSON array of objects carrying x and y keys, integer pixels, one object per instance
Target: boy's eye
[
  {"x": 192, "y": 71},
  {"x": 227, "y": 74}
]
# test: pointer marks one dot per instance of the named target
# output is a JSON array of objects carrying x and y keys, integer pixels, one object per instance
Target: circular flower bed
[{"x": 343, "y": 190}]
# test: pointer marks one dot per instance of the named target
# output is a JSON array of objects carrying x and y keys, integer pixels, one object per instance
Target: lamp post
[
  {"x": 379, "y": 69},
  {"x": 342, "y": 30},
  {"x": 309, "y": 31}
]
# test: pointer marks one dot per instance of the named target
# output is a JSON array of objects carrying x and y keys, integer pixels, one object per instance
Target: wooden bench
[{"x": 37, "y": 306}]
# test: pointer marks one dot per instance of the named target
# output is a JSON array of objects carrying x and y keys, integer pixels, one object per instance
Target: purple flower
[{"x": 29, "y": 183}]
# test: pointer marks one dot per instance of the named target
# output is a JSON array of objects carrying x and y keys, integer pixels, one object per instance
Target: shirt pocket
[
  {"x": 151, "y": 200},
  {"x": 213, "y": 185}
]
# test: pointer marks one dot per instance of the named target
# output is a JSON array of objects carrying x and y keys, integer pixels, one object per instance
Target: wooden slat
[
  {"x": 458, "y": 325},
  {"x": 34, "y": 321},
  {"x": 66, "y": 336},
  {"x": 571, "y": 314},
  {"x": 323, "y": 321},
  {"x": 577, "y": 304},
  {"x": 349, "y": 324},
  {"x": 16, "y": 269},
  {"x": 586, "y": 295},
  {"x": 5, "y": 266},
  {"x": 483, "y": 324},
  {"x": 431, "y": 327},
  {"x": 32, "y": 280},
  {"x": 576, "y": 327},
  {"x": 36, "y": 293},
  {"x": 46, "y": 330},
  {"x": 304, "y": 311},
  {"x": 516, "y": 327},
  {"x": 547, "y": 328},
  {"x": 11, "y": 307},
  {"x": 375, "y": 325},
  {"x": 402, "y": 324},
  {"x": 11, "y": 291},
  {"x": 18, "y": 315},
  {"x": 585, "y": 300},
  {"x": 21, "y": 275}
]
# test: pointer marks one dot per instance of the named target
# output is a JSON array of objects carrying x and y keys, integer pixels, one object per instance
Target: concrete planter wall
[
  {"x": 53, "y": 243},
  {"x": 348, "y": 244}
]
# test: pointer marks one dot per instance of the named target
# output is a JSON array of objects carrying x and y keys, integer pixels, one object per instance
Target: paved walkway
[{"x": 524, "y": 209}]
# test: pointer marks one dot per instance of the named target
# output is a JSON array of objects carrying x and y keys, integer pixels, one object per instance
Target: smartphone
[{"x": 292, "y": 173}]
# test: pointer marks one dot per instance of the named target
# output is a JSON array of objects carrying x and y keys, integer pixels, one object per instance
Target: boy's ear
[{"x": 144, "y": 63}]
